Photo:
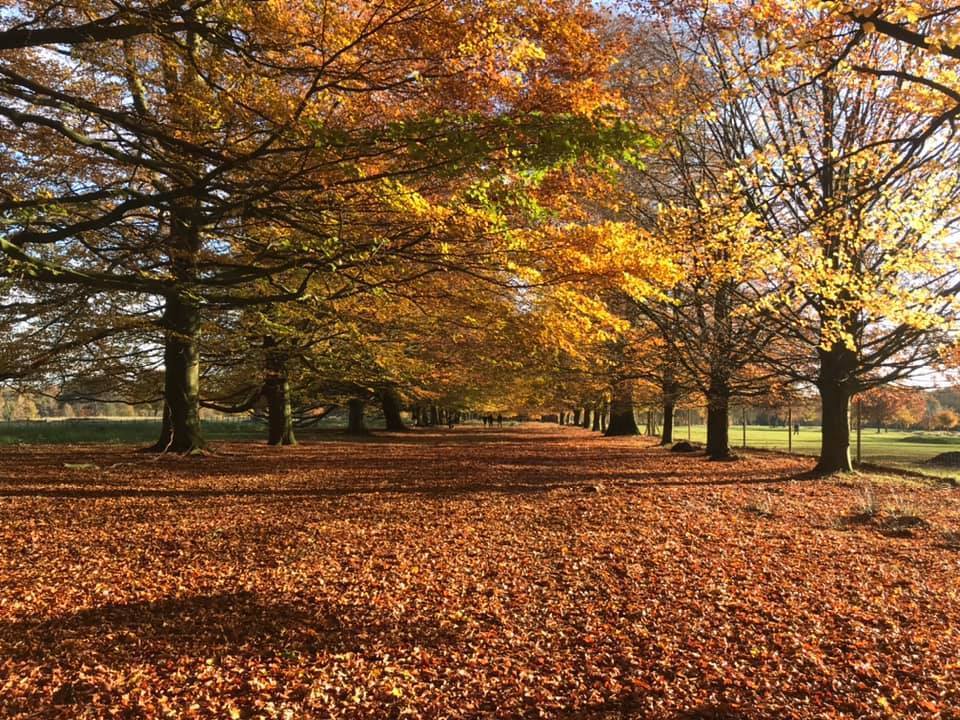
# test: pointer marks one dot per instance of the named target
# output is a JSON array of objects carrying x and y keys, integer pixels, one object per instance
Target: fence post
[{"x": 789, "y": 429}]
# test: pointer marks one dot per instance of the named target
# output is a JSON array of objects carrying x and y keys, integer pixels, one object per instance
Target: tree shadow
[
  {"x": 513, "y": 462},
  {"x": 534, "y": 482},
  {"x": 435, "y": 491},
  {"x": 715, "y": 482},
  {"x": 441, "y": 436},
  {"x": 206, "y": 626},
  {"x": 58, "y": 465},
  {"x": 631, "y": 707},
  {"x": 679, "y": 478}
]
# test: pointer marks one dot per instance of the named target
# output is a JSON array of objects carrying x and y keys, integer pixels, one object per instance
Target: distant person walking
[
  {"x": 499, "y": 420},
  {"x": 796, "y": 428}
]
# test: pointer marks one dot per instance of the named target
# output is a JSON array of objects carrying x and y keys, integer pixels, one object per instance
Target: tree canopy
[{"x": 449, "y": 206}]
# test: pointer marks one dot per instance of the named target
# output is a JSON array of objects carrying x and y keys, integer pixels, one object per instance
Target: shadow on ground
[
  {"x": 204, "y": 626},
  {"x": 531, "y": 460}
]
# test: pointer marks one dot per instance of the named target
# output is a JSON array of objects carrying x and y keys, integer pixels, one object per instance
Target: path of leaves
[{"x": 467, "y": 574}]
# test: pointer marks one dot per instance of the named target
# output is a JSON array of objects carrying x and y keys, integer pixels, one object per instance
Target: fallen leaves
[{"x": 465, "y": 575}]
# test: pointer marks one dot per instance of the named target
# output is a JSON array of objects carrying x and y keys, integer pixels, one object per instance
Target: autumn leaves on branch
[{"x": 286, "y": 206}]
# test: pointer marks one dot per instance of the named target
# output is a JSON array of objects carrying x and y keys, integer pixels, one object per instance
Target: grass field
[
  {"x": 132, "y": 431},
  {"x": 143, "y": 431},
  {"x": 896, "y": 447}
]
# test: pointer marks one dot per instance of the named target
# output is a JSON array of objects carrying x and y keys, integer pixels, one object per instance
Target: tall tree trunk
[
  {"x": 597, "y": 410},
  {"x": 834, "y": 432},
  {"x": 835, "y": 379},
  {"x": 718, "y": 420},
  {"x": 586, "y": 418},
  {"x": 166, "y": 432},
  {"x": 669, "y": 393},
  {"x": 562, "y": 418},
  {"x": 666, "y": 435},
  {"x": 434, "y": 415},
  {"x": 576, "y": 416},
  {"x": 355, "y": 424},
  {"x": 277, "y": 390},
  {"x": 604, "y": 409},
  {"x": 181, "y": 431},
  {"x": 718, "y": 390},
  {"x": 280, "y": 415},
  {"x": 835, "y": 383},
  {"x": 391, "y": 410},
  {"x": 622, "y": 421},
  {"x": 416, "y": 415}
]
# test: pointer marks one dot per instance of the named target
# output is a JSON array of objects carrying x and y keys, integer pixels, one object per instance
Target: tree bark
[
  {"x": 603, "y": 417},
  {"x": 718, "y": 420},
  {"x": 181, "y": 432},
  {"x": 434, "y": 415},
  {"x": 586, "y": 418},
  {"x": 355, "y": 424},
  {"x": 391, "y": 410},
  {"x": 838, "y": 363},
  {"x": 576, "y": 416},
  {"x": 597, "y": 410},
  {"x": 836, "y": 388},
  {"x": 622, "y": 420},
  {"x": 277, "y": 390},
  {"x": 834, "y": 432},
  {"x": 666, "y": 434}
]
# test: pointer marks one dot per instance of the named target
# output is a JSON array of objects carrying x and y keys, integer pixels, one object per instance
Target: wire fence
[{"x": 935, "y": 452}]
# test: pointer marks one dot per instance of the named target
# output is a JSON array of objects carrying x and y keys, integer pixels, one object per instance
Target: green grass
[
  {"x": 144, "y": 431},
  {"x": 896, "y": 447},
  {"x": 133, "y": 432}
]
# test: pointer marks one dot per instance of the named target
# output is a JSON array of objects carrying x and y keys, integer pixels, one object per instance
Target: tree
[
  {"x": 854, "y": 196},
  {"x": 681, "y": 198},
  {"x": 887, "y": 404},
  {"x": 204, "y": 157},
  {"x": 946, "y": 420}
]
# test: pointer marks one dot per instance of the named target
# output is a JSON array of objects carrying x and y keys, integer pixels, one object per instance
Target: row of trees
[
  {"x": 805, "y": 192},
  {"x": 30, "y": 406},
  {"x": 537, "y": 205},
  {"x": 317, "y": 194},
  {"x": 882, "y": 408}
]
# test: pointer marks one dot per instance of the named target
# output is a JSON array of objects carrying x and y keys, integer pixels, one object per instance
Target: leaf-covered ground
[{"x": 469, "y": 574}]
